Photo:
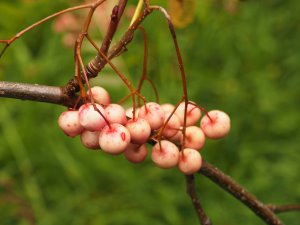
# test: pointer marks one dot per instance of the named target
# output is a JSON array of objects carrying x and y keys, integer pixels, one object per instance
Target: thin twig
[
  {"x": 145, "y": 68},
  {"x": 180, "y": 65},
  {"x": 283, "y": 208},
  {"x": 191, "y": 190},
  {"x": 22, "y": 32}
]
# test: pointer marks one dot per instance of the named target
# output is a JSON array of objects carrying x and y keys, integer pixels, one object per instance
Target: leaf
[{"x": 182, "y": 12}]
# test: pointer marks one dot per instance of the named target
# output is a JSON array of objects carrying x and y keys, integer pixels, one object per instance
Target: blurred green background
[{"x": 240, "y": 57}]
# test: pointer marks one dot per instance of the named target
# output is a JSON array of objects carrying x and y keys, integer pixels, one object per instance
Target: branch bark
[{"x": 36, "y": 92}]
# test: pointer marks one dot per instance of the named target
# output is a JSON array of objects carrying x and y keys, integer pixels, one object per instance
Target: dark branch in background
[
  {"x": 9, "y": 196},
  {"x": 191, "y": 190}
]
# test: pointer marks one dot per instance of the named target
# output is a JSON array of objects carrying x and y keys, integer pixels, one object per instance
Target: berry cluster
[{"x": 108, "y": 126}]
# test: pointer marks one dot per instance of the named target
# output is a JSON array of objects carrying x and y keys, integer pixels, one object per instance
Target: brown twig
[
  {"x": 239, "y": 192},
  {"x": 191, "y": 190},
  {"x": 180, "y": 64},
  {"x": 283, "y": 208},
  {"x": 145, "y": 68}
]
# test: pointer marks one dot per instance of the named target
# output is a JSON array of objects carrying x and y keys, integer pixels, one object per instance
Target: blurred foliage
[
  {"x": 241, "y": 57},
  {"x": 182, "y": 12}
]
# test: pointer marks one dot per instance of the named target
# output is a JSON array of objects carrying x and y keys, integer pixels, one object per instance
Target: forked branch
[{"x": 239, "y": 192}]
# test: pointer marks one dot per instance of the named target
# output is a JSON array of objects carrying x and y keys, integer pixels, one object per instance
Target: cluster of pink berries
[{"x": 108, "y": 126}]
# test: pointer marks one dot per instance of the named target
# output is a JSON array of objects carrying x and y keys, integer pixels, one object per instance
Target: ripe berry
[
  {"x": 139, "y": 130},
  {"x": 172, "y": 126},
  {"x": 194, "y": 138},
  {"x": 136, "y": 153},
  {"x": 153, "y": 113},
  {"x": 90, "y": 139},
  {"x": 68, "y": 121},
  {"x": 129, "y": 112},
  {"x": 216, "y": 125},
  {"x": 168, "y": 107},
  {"x": 114, "y": 139},
  {"x": 115, "y": 114},
  {"x": 192, "y": 116},
  {"x": 165, "y": 155},
  {"x": 91, "y": 119},
  {"x": 190, "y": 161},
  {"x": 100, "y": 95}
]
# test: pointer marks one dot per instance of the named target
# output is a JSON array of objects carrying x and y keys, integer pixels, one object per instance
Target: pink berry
[
  {"x": 68, "y": 121},
  {"x": 194, "y": 138},
  {"x": 136, "y": 153},
  {"x": 172, "y": 126},
  {"x": 165, "y": 155},
  {"x": 91, "y": 119},
  {"x": 129, "y": 112},
  {"x": 216, "y": 125},
  {"x": 139, "y": 130},
  {"x": 100, "y": 95},
  {"x": 90, "y": 139},
  {"x": 114, "y": 139},
  {"x": 168, "y": 107},
  {"x": 190, "y": 161},
  {"x": 177, "y": 138},
  {"x": 192, "y": 116},
  {"x": 115, "y": 114},
  {"x": 153, "y": 113}
]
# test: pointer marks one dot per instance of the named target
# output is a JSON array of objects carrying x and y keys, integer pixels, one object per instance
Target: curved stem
[
  {"x": 18, "y": 35},
  {"x": 145, "y": 67},
  {"x": 180, "y": 64}
]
